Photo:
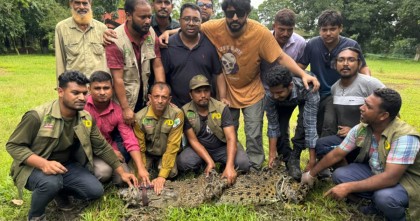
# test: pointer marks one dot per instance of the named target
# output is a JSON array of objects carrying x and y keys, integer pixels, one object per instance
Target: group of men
[{"x": 132, "y": 121}]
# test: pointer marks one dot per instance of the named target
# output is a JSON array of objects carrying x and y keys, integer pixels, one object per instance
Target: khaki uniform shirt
[{"x": 79, "y": 50}]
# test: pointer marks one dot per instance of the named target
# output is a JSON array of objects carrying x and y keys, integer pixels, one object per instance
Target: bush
[{"x": 404, "y": 48}]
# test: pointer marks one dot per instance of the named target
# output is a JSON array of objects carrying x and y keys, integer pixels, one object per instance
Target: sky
[{"x": 255, "y": 3}]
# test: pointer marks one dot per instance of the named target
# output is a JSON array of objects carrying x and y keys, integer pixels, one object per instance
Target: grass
[{"x": 29, "y": 80}]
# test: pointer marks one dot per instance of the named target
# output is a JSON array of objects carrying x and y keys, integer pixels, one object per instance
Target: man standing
[
  {"x": 161, "y": 20},
  {"x": 78, "y": 41},
  {"x": 293, "y": 45},
  {"x": 319, "y": 52},
  {"x": 158, "y": 129},
  {"x": 108, "y": 118},
  {"x": 190, "y": 53},
  {"x": 211, "y": 134},
  {"x": 206, "y": 7},
  {"x": 132, "y": 56},
  {"x": 53, "y": 149},
  {"x": 242, "y": 43},
  {"x": 287, "y": 91},
  {"x": 386, "y": 171},
  {"x": 348, "y": 93}
]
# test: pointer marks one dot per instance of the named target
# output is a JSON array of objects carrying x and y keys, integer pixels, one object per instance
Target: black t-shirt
[{"x": 205, "y": 136}]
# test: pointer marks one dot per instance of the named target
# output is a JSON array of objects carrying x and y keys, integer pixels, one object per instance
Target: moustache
[
  {"x": 163, "y": 10},
  {"x": 345, "y": 69}
]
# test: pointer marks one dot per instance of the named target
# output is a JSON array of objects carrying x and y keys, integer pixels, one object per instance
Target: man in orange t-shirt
[{"x": 241, "y": 44}]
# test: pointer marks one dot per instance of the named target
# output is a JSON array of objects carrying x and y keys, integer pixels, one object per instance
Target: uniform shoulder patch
[{"x": 177, "y": 122}]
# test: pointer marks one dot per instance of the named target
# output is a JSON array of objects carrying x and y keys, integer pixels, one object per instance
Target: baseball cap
[{"x": 199, "y": 81}]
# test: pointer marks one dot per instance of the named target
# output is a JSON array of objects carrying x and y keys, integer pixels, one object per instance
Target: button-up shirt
[
  {"x": 298, "y": 96},
  {"x": 108, "y": 120}
]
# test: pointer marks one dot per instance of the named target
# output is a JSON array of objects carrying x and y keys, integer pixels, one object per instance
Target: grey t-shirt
[{"x": 347, "y": 101}]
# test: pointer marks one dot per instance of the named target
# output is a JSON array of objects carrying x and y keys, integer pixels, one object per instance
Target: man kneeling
[{"x": 211, "y": 134}]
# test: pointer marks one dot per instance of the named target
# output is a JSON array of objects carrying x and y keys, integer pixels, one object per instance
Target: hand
[
  {"x": 306, "y": 79},
  {"x": 53, "y": 168},
  {"x": 307, "y": 179},
  {"x": 271, "y": 159},
  {"x": 338, "y": 192},
  {"x": 210, "y": 166},
  {"x": 128, "y": 116},
  {"x": 144, "y": 176},
  {"x": 109, "y": 36},
  {"x": 225, "y": 101},
  {"x": 119, "y": 156},
  {"x": 164, "y": 39},
  {"x": 158, "y": 184},
  {"x": 343, "y": 131},
  {"x": 130, "y": 179},
  {"x": 310, "y": 165},
  {"x": 230, "y": 174}
]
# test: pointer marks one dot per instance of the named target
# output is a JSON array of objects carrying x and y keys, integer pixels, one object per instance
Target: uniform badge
[
  {"x": 147, "y": 122},
  {"x": 169, "y": 122},
  {"x": 177, "y": 122},
  {"x": 49, "y": 121},
  {"x": 216, "y": 116},
  {"x": 87, "y": 123}
]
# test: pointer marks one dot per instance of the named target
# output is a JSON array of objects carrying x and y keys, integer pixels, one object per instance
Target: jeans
[
  {"x": 253, "y": 118},
  {"x": 77, "y": 181},
  {"x": 188, "y": 159},
  {"x": 391, "y": 201},
  {"x": 325, "y": 144}
]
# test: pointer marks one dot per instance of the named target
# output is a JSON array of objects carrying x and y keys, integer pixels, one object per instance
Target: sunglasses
[
  {"x": 239, "y": 14},
  {"x": 202, "y": 4}
]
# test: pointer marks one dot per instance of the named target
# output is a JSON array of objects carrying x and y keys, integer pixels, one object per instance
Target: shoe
[
  {"x": 63, "y": 203},
  {"x": 293, "y": 164},
  {"x": 369, "y": 209},
  {"x": 39, "y": 218}
]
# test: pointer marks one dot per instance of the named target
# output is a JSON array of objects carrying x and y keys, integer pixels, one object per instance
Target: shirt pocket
[{"x": 97, "y": 48}]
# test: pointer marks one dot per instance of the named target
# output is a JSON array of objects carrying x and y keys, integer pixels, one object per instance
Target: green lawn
[{"x": 28, "y": 81}]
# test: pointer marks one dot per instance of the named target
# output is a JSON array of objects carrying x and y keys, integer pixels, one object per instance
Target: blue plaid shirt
[{"x": 298, "y": 96}]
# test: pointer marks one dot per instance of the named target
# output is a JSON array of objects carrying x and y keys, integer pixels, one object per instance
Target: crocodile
[{"x": 254, "y": 188}]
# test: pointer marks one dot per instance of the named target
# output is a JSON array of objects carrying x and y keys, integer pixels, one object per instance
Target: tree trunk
[{"x": 417, "y": 57}]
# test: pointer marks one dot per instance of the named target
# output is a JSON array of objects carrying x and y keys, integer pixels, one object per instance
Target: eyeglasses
[
  {"x": 202, "y": 4},
  {"x": 239, "y": 13},
  {"x": 349, "y": 60},
  {"x": 194, "y": 20}
]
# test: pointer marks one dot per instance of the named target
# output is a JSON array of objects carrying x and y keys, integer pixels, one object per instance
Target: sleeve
[
  {"x": 166, "y": 60},
  {"x": 305, "y": 59},
  {"x": 157, "y": 48},
  {"x": 375, "y": 84},
  {"x": 310, "y": 111},
  {"x": 20, "y": 142},
  {"x": 102, "y": 148},
  {"x": 403, "y": 150},
  {"x": 129, "y": 139},
  {"x": 226, "y": 118},
  {"x": 273, "y": 129},
  {"x": 362, "y": 58},
  {"x": 60, "y": 54},
  {"x": 217, "y": 66},
  {"x": 349, "y": 143},
  {"x": 114, "y": 57},
  {"x": 270, "y": 50},
  {"x": 187, "y": 125},
  {"x": 141, "y": 139},
  {"x": 301, "y": 50},
  {"x": 172, "y": 148}
]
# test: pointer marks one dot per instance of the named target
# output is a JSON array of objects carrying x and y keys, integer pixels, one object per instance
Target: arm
[
  {"x": 221, "y": 87},
  {"x": 231, "y": 143},
  {"x": 310, "y": 111},
  {"x": 365, "y": 70},
  {"x": 158, "y": 70},
  {"x": 141, "y": 169},
  {"x": 129, "y": 178},
  {"x": 141, "y": 139},
  {"x": 272, "y": 154},
  {"x": 200, "y": 150},
  {"x": 119, "y": 88},
  {"x": 390, "y": 177},
  {"x": 290, "y": 64},
  {"x": 164, "y": 37}
]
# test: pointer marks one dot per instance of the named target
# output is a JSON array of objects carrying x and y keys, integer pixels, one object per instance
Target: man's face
[
  {"x": 101, "y": 92},
  {"x": 282, "y": 33},
  {"x": 370, "y": 111},
  {"x": 206, "y": 9},
  {"x": 235, "y": 19},
  {"x": 159, "y": 99},
  {"x": 162, "y": 8},
  {"x": 140, "y": 19},
  {"x": 330, "y": 34},
  {"x": 281, "y": 93},
  {"x": 81, "y": 11},
  {"x": 201, "y": 96},
  {"x": 347, "y": 63},
  {"x": 73, "y": 97},
  {"x": 190, "y": 22}
]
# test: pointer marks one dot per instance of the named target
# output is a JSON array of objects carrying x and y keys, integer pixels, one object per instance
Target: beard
[
  {"x": 82, "y": 19},
  {"x": 142, "y": 30},
  {"x": 236, "y": 28}
]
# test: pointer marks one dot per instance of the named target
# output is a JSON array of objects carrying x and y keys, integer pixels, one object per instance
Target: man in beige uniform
[{"x": 78, "y": 41}]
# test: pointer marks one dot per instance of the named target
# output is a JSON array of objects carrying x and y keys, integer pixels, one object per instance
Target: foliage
[{"x": 26, "y": 86}]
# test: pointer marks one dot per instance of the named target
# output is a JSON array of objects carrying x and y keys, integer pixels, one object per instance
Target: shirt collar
[
  {"x": 131, "y": 38},
  {"x": 89, "y": 102}
]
